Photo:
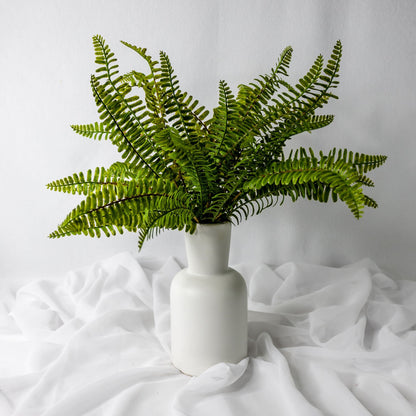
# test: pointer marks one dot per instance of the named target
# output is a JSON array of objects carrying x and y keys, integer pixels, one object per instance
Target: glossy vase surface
[{"x": 208, "y": 304}]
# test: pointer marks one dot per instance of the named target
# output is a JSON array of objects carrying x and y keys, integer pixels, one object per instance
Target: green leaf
[{"x": 181, "y": 166}]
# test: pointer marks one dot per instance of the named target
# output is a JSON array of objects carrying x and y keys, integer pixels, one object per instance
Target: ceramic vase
[{"x": 208, "y": 304}]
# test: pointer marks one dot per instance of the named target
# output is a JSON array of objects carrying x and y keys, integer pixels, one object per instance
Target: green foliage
[{"x": 181, "y": 166}]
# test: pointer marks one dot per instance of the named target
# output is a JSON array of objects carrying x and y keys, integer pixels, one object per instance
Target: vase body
[{"x": 208, "y": 304}]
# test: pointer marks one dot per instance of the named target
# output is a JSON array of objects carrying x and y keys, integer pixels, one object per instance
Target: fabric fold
[{"x": 322, "y": 341}]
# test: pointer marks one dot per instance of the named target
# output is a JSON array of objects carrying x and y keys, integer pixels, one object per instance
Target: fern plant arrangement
[{"x": 182, "y": 166}]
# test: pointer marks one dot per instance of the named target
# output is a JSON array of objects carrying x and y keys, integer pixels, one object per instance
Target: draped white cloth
[{"x": 323, "y": 341}]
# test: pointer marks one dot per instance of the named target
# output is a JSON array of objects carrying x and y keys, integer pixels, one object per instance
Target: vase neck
[{"x": 208, "y": 248}]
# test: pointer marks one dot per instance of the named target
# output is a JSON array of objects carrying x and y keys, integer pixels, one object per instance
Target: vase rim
[{"x": 212, "y": 224}]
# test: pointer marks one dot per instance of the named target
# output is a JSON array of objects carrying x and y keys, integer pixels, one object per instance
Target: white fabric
[{"x": 323, "y": 341}]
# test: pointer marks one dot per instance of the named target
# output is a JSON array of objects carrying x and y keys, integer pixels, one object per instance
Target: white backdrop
[{"x": 46, "y": 57}]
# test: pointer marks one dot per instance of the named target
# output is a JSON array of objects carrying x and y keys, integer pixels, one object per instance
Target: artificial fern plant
[{"x": 182, "y": 166}]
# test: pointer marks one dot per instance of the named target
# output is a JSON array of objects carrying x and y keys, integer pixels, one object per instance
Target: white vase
[{"x": 208, "y": 304}]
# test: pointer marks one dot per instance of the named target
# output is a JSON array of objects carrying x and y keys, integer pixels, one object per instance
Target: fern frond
[
  {"x": 362, "y": 162},
  {"x": 128, "y": 137},
  {"x": 92, "y": 231},
  {"x": 174, "y": 218},
  {"x": 182, "y": 110},
  {"x": 135, "y": 79},
  {"x": 258, "y": 93},
  {"x": 193, "y": 167},
  {"x": 277, "y": 116},
  {"x": 126, "y": 205},
  {"x": 369, "y": 202},
  {"x": 151, "y": 86},
  {"x": 222, "y": 199},
  {"x": 296, "y": 124},
  {"x": 294, "y": 108},
  {"x": 301, "y": 170},
  {"x": 85, "y": 183},
  {"x": 96, "y": 131},
  {"x": 364, "y": 180},
  {"x": 222, "y": 135},
  {"x": 329, "y": 80},
  {"x": 122, "y": 112},
  {"x": 253, "y": 104},
  {"x": 123, "y": 171},
  {"x": 250, "y": 206},
  {"x": 270, "y": 148},
  {"x": 108, "y": 66},
  {"x": 82, "y": 184},
  {"x": 306, "y": 92}
]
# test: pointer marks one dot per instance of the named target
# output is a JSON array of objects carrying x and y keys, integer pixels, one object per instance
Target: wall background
[{"x": 46, "y": 58}]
